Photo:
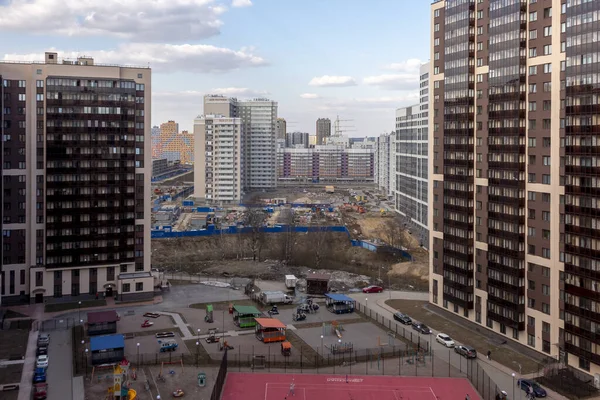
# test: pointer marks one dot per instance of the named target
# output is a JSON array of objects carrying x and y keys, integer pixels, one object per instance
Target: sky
[{"x": 317, "y": 58}]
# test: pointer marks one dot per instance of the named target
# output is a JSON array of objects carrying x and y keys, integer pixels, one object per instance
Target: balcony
[
  {"x": 593, "y": 336},
  {"x": 506, "y": 321},
  {"x": 582, "y": 312},
  {"x": 579, "y": 352},
  {"x": 516, "y": 290},
  {"x": 455, "y": 300}
]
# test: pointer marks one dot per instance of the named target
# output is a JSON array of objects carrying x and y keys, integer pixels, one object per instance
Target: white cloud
[
  {"x": 309, "y": 96},
  {"x": 393, "y": 81},
  {"x": 163, "y": 57},
  {"x": 410, "y": 65},
  {"x": 372, "y": 103},
  {"x": 137, "y": 20},
  {"x": 241, "y": 3},
  {"x": 327, "y": 80}
]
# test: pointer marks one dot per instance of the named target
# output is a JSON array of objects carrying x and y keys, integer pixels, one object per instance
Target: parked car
[
  {"x": 373, "y": 289},
  {"x": 402, "y": 318},
  {"x": 40, "y": 391},
  {"x": 421, "y": 328},
  {"x": 41, "y": 351},
  {"x": 39, "y": 375},
  {"x": 466, "y": 351},
  {"x": 42, "y": 361},
  {"x": 444, "y": 339},
  {"x": 43, "y": 340},
  {"x": 525, "y": 384}
]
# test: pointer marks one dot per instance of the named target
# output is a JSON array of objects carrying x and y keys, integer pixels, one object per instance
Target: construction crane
[{"x": 339, "y": 129}]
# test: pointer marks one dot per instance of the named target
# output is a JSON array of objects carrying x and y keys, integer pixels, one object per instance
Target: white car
[
  {"x": 42, "y": 362},
  {"x": 444, "y": 339}
]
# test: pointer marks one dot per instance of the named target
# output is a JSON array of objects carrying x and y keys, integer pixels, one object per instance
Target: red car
[{"x": 373, "y": 289}]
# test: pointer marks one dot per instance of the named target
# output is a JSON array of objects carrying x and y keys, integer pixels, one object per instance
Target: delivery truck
[
  {"x": 275, "y": 298},
  {"x": 290, "y": 281}
]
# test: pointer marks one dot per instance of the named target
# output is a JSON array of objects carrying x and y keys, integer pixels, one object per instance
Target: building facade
[
  {"x": 411, "y": 156},
  {"x": 323, "y": 130},
  {"x": 258, "y": 140},
  {"x": 297, "y": 139},
  {"x": 382, "y": 153},
  {"x": 76, "y": 167},
  {"x": 513, "y": 174},
  {"x": 172, "y": 144},
  {"x": 281, "y": 127},
  {"x": 326, "y": 163},
  {"x": 218, "y": 172}
]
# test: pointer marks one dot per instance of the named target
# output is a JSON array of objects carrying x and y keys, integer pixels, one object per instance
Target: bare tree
[
  {"x": 289, "y": 236},
  {"x": 392, "y": 232},
  {"x": 319, "y": 243},
  {"x": 254, "y": 218}
]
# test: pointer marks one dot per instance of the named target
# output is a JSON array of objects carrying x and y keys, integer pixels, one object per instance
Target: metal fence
[
  {"x": 54, "y": 324},
  {"x": 561, "y": 378},
  {"x": 220, "y": 381}
]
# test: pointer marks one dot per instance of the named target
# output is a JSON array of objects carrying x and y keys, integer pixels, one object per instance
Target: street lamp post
[
  {"x": 86, "y": 364},
  {"x": 322, "y": 354},
  {"x": 138, "y": 355},
  {"x": 366, "y": 303},
  {"x": 79, "y": 311},
  {"x": 513, "y": 376}
]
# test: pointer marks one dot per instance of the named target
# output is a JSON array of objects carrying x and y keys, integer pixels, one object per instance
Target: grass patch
[
  {"x": 13, "y": 346},
  {"x": 57, "y": 307},
  {"x": 480, "y": 341}
]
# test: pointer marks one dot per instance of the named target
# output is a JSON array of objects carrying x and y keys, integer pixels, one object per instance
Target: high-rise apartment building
[
  {"x": 383, "y": 155},
  {"x": 258, "y": 137},
  {"x": 281, "y": 127},
  {"x": 411, "y": 156},
  {"x": 172, "y": 144},
  {"x": 76, "y": 180},
  {"x": 323, "y": 130},
  {"x": 218, "y": 170},
  {"x": 514, "y": 171},
  {"x": 297, "y": 139}
]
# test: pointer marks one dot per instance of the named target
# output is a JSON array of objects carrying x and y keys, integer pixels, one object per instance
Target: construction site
[{"x": 362, "y": 213}]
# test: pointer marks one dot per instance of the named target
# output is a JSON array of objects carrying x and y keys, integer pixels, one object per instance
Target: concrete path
[
  {"x": 11, "y": 362},
  {"x": 60, "y": 369},
  {"x": 29, "y": 363},
  {"x": 501, "y": 375},
  {"x": 371, "y": 298}
]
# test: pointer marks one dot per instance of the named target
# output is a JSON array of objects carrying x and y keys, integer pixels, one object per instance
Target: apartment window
[
  {"x": 548, "y": 31},
  {"x": 530, "y": 302},
  {"x": 547, "y": 49},
  {"x": 548, "y": 68},
  {"x": 533, "y": 52},
  {"x": 532, "y": 124},
  {"x": 110, "y": 273},
  {"x": 531, "y": 142},
  {"x": 563, "y": 47},
  {"x": 139, "y": 286},
  {"x": 545, "y": 252},
  {"x": 546, "y": 272},
  {"x": 546, "y": 161},
  {"x": 436, "y": 28},
  {"x": 436, "y": 70},
  {"x": 436, "y": 13},
  {"x": 436, "y": 41},
  {"x": 489, "y": 323},
  {"x": 546, "y": 308},
  {"x": 533, "y": 16},
  {"x": 126, "y": 287},
  {"x": 548, "y": 12},
  {"x": 532, "y": 88},
  {"x": 545, "y": 343},
  {"x": 532, "y": 69},
  {"x": 584, "y": 363},
  {"x": 546, "y": 215},
  {"x": 546, "y": 142},
  {"x": 545, "y": 179},
  {"x": 531, "y": 213},
  {"x": 531, "y": 250},
  {"x": 479, "y": 46},
  {"x": 480, "y": 62},
  {"x": 480, "y": 14},
  {"x": 123, "y": 269},
  {"x": 533, "y": 34},
  {"x": 547, "y": 105},
  {"x": 39, "y": 83},
  {"x": 532, "y": 159},
  {"x": 532, "y": 106},
  {"x": 531, "y": 340},
  {"x": 546, "y": 290},
  {"x": 563, "y": 8},
  {"x": 530, "y": 231},
  {"x": 480, "y": 30},
  {"x": 436, "y": 56}
]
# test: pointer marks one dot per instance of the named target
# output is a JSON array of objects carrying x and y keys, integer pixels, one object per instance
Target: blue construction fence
[{"x": 211, "y": 230}]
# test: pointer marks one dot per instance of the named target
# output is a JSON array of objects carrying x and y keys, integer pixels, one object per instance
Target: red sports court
[{"x": 248, "y": 386}]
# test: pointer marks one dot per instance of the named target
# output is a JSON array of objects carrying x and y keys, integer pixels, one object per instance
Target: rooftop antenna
[{"x": 339, "y": 129}]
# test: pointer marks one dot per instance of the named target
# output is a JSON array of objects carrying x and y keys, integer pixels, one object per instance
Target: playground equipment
[
  {"x": 172, "y": 372},
  {"x": 270, "y": 330},
  {"x": 120, "y": 388},
  {"x": 341, "y": 348},
  {"x": 300, "y": 316},
  {"x": 168, "y": 345},
  {"x": 333, "y": 328},
  {"x": 178, "y": 393},
  {"x": 274, "y": 310},
  {"x": 286, "y": 348},
  {"x": 162, "y": 335},
  {"x": 147, "y": 324},
  {"x": 244, "y": 316},
  {"x": 212, "y": 336},
  {"x": 209, "y": 314},
  {"x": 151, "y": 315},
  {"x": 390, "y": 342}
]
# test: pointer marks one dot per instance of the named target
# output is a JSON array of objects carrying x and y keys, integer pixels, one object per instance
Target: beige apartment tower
[
  {"x": 514, "y": 171},
  {"x": 76, "y": 188},
  {"x": 217, "y": 170}
]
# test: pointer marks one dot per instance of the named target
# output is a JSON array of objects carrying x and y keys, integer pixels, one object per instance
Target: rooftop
[
  {"x": 317, "y": 277},
  {"x": 98, "y": 343},
  {"x": 247, "y": 310},
  {"x": 338, "y": 297},
  {"x": 51, "y": 58},
  {"x": 270, "y": 323},
  {"x": 102, "y": 316}
]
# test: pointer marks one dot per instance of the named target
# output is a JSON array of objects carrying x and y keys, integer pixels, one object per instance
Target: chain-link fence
[{"x": 54, "y": 324}]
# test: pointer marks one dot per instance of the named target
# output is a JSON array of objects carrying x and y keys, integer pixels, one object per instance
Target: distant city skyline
[{"x": 324, "y": 64}]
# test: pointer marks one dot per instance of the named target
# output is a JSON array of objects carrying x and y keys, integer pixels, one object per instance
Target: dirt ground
[
  {"x": 12, "y": 347},
  {"x": 480, "y": 342}
]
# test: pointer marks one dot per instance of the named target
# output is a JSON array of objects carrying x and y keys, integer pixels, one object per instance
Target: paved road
[
  {"x": 60, "y": 370},
  {"x": 500, "y": 374}
]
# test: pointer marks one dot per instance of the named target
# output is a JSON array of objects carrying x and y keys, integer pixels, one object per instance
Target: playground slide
[
  {"x": 338, "y": 333},
  {"x": 131, "y": 394}
]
